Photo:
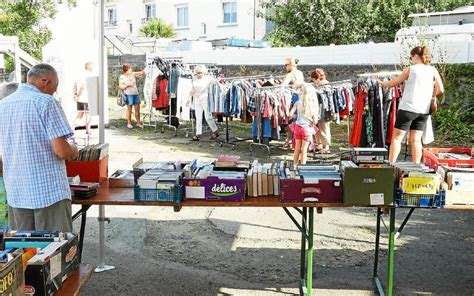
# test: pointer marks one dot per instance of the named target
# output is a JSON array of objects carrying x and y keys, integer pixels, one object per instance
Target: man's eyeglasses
[
  {"x": 199, "y": 72},
  {"x": 287, "y": 65}
]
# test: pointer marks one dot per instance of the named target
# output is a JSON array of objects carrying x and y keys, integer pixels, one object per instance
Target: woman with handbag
[
  {"x": 128, "y": 84},
  {"x": 422, "y": 85}
]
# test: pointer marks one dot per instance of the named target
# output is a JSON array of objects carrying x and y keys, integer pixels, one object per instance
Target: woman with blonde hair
[
  {"x": 422, "y": 84},
  {"x": 307, "y": 117},
  {"x": 199, "y": 93}
]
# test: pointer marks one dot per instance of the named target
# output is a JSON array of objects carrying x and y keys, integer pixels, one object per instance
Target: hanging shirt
[{"x": 419, "y": 89}]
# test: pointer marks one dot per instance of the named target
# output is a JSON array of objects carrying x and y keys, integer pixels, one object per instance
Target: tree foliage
[
  {"x": 157, "y": 29},
  {"x": 322, "y": 22},
  {"x": 23, "y": 18}
]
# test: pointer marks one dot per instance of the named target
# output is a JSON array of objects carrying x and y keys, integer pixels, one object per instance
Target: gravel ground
[{"x": 255, "y": 251}]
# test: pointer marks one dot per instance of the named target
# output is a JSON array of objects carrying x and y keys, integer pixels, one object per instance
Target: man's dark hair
[{"x": 41, "y": 70}]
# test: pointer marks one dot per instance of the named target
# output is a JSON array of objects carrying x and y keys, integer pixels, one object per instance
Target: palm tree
[{"x": 157, "y": 29}]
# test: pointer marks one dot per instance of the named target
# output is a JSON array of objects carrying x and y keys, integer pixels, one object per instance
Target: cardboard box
[
  {"x": 89, "y": 171},
  {"x": 12, "y": 280},
  {"x": 45, "y": 276},
  {"x": 70, "y": 255},
  {"x": 122, "y": 179},
  {"x": 324, "y": 191},
  {"x": 368, "y": 186},
  {"x": 215, "y": 188}
]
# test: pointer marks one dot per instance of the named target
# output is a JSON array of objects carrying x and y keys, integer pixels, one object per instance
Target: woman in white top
[
  {"x": 82, "y": 99},
  {"x": 422, "y": 83},
  {"x": 128, "y": 84},
  {"x": 199, "y": 93},
  {"x": 295, "y": 79}
]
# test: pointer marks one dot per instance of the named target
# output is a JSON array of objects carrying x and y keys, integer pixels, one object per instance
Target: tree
[
  {"x": 322, "y": 22},
  {"x": 23, "y": 18},
  {"x": 157, "y": 29}
]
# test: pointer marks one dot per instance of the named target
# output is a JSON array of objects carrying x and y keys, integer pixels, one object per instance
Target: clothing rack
[
  {"x": 378, "y": 75},
  {"x": 233, "y": 142},
  {"x": 265, "y": 88},
  {"x": 252, "y": 77}
]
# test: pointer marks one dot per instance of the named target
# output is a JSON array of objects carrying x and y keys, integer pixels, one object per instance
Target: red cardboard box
[{"x": 89, "y": 171}]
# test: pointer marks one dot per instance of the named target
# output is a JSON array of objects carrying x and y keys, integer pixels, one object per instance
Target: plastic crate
[
  {"x": 164, "y": 195},
  {"x": 420, "y": 200},
  {"x": 430, "y": 157}
]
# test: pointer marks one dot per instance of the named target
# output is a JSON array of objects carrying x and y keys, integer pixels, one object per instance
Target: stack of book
[
  {"x": 84, "y": 189},
  {"x": 263, "y": 179},
  {"x": 159, "y": 179}
]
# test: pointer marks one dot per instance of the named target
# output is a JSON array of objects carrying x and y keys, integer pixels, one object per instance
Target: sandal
[
  {"x": 139, "y": 125},
  {"x": 214, "y": 135},
  {"x": 195, "y": 138},
  {"x": 129, "y": 126}
]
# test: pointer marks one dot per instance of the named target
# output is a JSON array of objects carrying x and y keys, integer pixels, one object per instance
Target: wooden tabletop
[
  {"x": 73, "y": 285},
  {"x": 125, "y": 196}
]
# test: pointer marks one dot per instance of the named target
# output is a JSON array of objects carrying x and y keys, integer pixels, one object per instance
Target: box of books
[
  {"x": 89, "y": 170},
  {"x": 368, "y": 184},
  {"x": 311, "y": 183},
  {"x": 160, "y": 185},
  {"x": 208, "y": 183}
]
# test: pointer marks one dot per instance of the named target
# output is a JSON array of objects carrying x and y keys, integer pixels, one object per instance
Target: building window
[
  {"x": 111, "y": 17},
  {"x": 150, "y": 13},
  {"x": 131, "y": 28},
  {"x": 150, "y": 10},
  {"x": 204, "y": 29},
  {"x": 182, "y": 19},
  {"x": 229, "y": 11}
]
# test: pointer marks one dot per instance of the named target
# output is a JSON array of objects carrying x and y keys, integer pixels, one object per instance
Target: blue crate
[
  {"x": 407, "y": 200},
  {"x": 165, "y": 195}
]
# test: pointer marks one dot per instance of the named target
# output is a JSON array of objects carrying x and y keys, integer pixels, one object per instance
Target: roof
[{"x": 458, "y": 11}]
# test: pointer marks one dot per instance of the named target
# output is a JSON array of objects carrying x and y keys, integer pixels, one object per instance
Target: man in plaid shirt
[{"x": 34, "y": 147}]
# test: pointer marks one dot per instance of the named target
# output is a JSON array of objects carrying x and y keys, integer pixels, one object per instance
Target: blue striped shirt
[{"x": 34, "y": 175}]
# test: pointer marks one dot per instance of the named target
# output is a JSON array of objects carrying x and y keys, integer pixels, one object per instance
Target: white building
[{"x": 191, "y": 19}]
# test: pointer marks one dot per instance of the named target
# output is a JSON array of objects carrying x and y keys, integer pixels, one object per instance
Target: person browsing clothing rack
[
  {"x": 128, "y": 83},
  {"x": 322, "y": 138},
  {"x": 200, "y": 94},
  {"x": 307, "y": 117},
  {"x": 295, "y": 79},
  {"x": 422, "y": 84}
]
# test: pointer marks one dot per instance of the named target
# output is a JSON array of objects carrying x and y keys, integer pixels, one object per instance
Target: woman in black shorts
[{"x": 422, "y": 83}]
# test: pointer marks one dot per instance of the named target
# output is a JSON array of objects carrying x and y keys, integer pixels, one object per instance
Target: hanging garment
[
  {"x": 184, "y": 89},
  {"x": 151, "y": 73},
  {"x": 162, "y": 99},
  {"x": 173, "y": 81},
  {"x": 358, "y": 119}
]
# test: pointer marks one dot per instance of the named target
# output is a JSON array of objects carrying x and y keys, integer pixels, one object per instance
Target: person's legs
[
  {"x": 129, "y": 116},
  {"x": 304, "y": 151},
  {"x": 396, "y": 144},
  {"x": 21, "y": 219},
  {"x": 210, "y": 120},
  {"x": 296, "y": 154},
  {"x": 137, "y": 115},
  {"x": 198, "y": 112},
  {"x": 416, "y": 145},
  {"x": 324, "y": 134},
  {"x": 56, "y": 217}
]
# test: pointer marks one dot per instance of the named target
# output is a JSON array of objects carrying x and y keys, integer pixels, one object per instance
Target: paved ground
[{"x": 228, "y": 251}]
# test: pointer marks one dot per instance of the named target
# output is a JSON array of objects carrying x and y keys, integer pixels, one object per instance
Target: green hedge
[{"x": 454, "y": 122}]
